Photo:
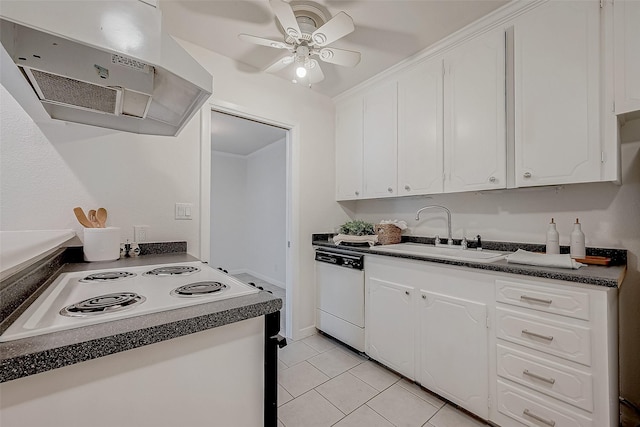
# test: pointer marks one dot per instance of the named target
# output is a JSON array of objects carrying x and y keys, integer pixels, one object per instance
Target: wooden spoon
[
  {"x": 82, "y": 218},
  {"x": 101, "y": 217},
  {"x": 92, "y": 218}
]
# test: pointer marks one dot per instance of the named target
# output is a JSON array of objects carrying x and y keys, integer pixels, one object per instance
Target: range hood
[{"x": 104, "y": 63}]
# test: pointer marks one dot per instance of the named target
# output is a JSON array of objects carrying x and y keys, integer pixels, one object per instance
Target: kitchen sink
[{"x": 441, "y": 252}]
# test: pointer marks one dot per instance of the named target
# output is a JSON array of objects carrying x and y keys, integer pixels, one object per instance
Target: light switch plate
[{"x": 184, "y": 210}]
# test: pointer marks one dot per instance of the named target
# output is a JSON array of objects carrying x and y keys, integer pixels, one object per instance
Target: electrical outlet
[
  {"x": 140, "y": 233},
  {"x": 183, "y": 210}
]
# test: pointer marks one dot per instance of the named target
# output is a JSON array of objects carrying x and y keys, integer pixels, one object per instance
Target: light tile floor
[
  {"x": 275, "y": 290},
  {"x": 322, "y": 383}
]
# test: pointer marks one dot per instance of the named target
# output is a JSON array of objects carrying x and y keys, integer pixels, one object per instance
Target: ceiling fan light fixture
[{"x": 301, "y": 71}]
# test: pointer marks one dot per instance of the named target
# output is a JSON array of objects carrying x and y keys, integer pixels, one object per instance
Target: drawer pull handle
[
  {"x": 406, "y": 292},
  {"x": 528, "y": 413},
  {"x": 533, "y": 334},
  {"x": 539, "y": 377},
  {"x": 532, "y": 299}
]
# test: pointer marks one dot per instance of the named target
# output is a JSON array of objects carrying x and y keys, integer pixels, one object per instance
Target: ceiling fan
[{"x": 307, "y": 32}]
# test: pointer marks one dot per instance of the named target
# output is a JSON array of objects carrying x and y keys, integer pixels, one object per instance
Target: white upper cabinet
[
  {"x": 420, "y": 137},
  {"x": 349, "y": 149},
  {"x": 627, "y": 55},
  {"x": 380, "y": 141},
  {"x": 474, "y": 115},
  {"x": 557, "y": 94}
]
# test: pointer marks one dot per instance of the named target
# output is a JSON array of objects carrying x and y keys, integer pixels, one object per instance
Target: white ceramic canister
[{"x": 101, "y": 244}]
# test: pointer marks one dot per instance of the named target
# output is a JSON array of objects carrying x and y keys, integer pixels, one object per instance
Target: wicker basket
[{"x": 388, "y": 234}]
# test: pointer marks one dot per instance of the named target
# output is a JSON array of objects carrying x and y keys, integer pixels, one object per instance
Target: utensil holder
[{"x": 101, "y": 244}]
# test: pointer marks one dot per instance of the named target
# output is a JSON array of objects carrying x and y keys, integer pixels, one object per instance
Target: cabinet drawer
[
  {"x": 532, "y": 409},
  {"x": 566, "y": 302},
  {"x": 571, "y": 342},
  {"x": 562, "y": 382}
]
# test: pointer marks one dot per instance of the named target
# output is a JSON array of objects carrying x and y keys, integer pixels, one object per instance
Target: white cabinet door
[
  {"x": 557, "y": 107},
  {"x": 349, "y": 117},
  {"x": 454, "y": 350},
  {"x": 390, "y": 325},
  {"x": 380, "y": 141},
  {"x": 474, "y": 114},
  {"x": 420, "y": 135},
  {"x": 627, "y": 55}
]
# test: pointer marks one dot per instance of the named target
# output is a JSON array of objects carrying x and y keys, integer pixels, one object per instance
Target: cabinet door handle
[
  {"x": 492, "y": 179},
  {"x": 406, "y": 187},
  {"x": 390, "y": 190},
  {"x": 406, "y": 292},
  {"x": 357, "y": 193},
  {"x": 539, "y": 377},
  {"x": 534, "y": 334},
  {"x": 424, "y": 297},
  {"x": 528, "y": 413},
  {"x": 527, "y": 175},
  {"x": 533, "y": 299}
]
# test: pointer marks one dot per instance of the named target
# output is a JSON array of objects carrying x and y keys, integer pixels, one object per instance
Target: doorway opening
[{"x": 249, "y": 202}]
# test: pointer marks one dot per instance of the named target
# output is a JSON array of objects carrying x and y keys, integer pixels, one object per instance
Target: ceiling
[
  {"x": 235, "y": 135},
  {"x": 387, "y": 31}
]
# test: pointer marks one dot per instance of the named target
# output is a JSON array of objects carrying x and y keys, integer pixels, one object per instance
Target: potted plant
[{"x": 356, "y": 232}]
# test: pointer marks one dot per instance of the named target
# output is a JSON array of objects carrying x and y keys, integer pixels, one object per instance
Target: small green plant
[{"x": 357, "y": 228}]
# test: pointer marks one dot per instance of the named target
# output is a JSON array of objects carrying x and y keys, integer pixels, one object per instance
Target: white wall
[
  {"x": 228, "y": 210},
  {"x": 249, "y": 91},
  {"x": 248, "y": 212},
  {"x": 46, "y": 171},
  {"x": 266, "y": 210}
]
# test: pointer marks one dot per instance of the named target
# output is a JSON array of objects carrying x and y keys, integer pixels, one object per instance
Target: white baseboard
[
  {"x": 265, "y": 278},
  {"x": 304, "y": 332}
]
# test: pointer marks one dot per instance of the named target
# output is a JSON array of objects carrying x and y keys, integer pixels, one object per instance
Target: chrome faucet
[{"x": 450, "y": 239}]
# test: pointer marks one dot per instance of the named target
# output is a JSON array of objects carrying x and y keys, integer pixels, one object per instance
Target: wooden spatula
[
  {"x": 92, "y": 218},
  {"x": 82, "y": 218},
  {"x": 101, "y": 217}
]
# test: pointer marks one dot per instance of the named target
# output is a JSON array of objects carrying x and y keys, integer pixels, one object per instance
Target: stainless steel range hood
[{"x": 104, "y": 63}]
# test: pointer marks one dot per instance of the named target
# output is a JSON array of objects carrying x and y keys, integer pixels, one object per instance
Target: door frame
[{"x": 292, "y": 141}]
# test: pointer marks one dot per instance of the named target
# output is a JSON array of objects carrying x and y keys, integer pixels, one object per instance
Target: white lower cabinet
[
  {"x": 391, "y": 337},
  {"x": 514, "y": 350},
  {"x": 556, "y": 354},
  {"x": 453, "y": 350},
  {"x": 438, "y": 318}
]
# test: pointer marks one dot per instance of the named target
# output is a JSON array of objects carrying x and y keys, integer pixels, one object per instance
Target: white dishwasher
[{"x": 340, "y": 295}]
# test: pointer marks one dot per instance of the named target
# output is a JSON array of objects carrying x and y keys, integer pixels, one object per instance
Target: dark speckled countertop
[
  {"x": 42, "y": 353},
  {"x": 610, "y": 276}
]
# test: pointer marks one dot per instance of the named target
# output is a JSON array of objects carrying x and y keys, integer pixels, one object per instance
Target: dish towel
[
  {"x": 543, "y": 260},
  {"x": 371, "y": 239}
]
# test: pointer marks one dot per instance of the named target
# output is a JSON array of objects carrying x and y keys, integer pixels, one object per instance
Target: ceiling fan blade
[
  {"x": 287, "y": 19},
  {"x": 347, "y": 58},
  {"x": 337, "y": 27},
  {"x": 262, "y": 41},
  {"x": 315, "y": 73},
  {"x": 279, "y": 64}
]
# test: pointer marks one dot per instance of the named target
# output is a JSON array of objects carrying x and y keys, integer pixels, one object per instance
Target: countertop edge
[
  {"x": 21, "y": 358},
  {"x": 500, "y": 266}
]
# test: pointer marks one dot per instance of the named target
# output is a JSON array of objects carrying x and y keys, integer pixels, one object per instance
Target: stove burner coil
[
  {"x": 172, "y": 270},
  {"x": 103, "y": 304},
  {"x": 107, "y": 276},
  {"x": 198, "y": 289}
]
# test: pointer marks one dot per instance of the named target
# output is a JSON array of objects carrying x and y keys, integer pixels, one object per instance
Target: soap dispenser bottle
[
  {"x": 553, "y": 239},
  {"x": 577, "y": 241}
]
